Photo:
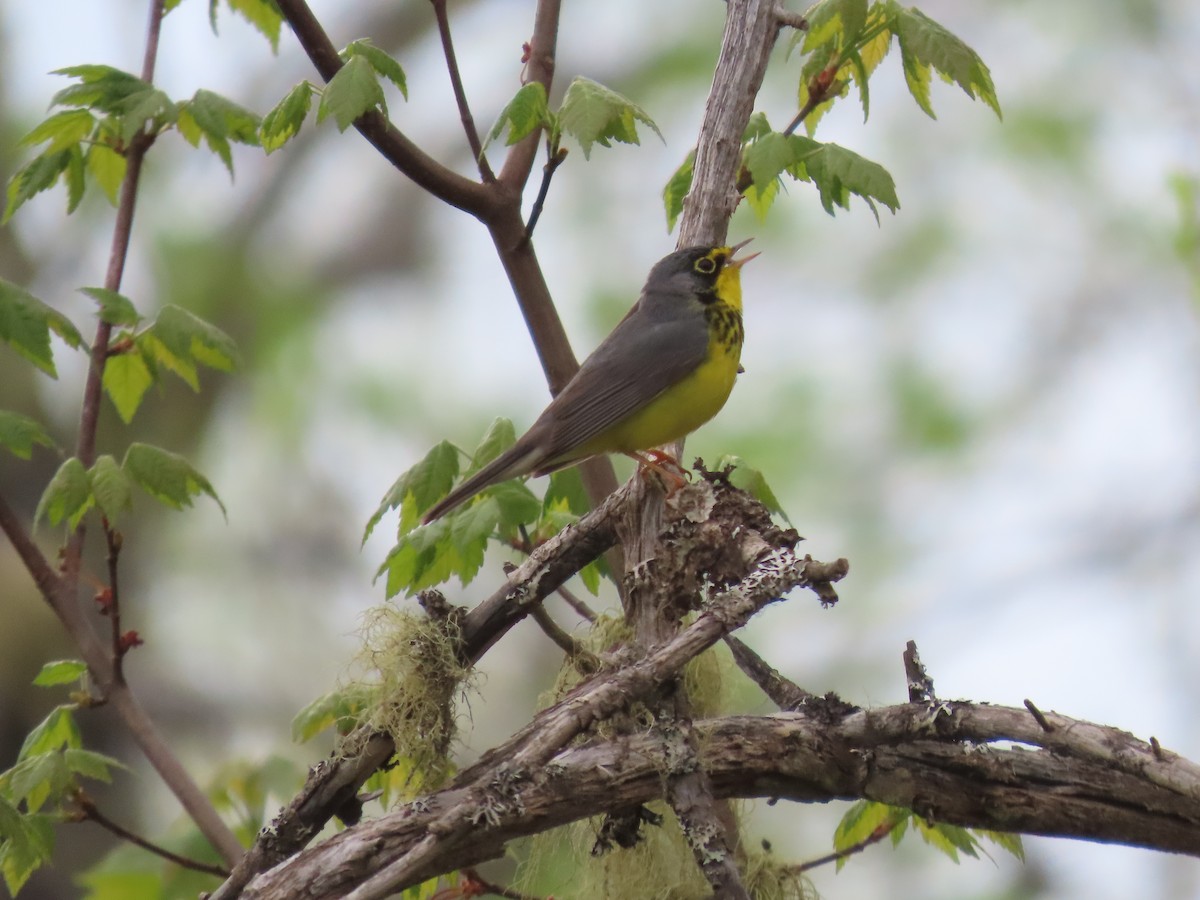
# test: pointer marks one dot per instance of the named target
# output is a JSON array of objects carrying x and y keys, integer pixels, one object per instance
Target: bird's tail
[{"x": 519, "y": 459}]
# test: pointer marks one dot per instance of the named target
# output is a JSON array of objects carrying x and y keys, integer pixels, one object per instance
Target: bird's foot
[{"x": 673, "y": 475}]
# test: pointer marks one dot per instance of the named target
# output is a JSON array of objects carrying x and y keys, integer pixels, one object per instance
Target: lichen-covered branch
[{"x": 956, "y": 766}]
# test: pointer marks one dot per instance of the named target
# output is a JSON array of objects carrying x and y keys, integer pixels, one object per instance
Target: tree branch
[{"x": 957, "y": 770}]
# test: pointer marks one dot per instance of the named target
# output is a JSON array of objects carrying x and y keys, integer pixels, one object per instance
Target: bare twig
[
  {"x": 460, "y": 96},
  {"x": 88, "y": 812},
  {"x": 555, "y": 158},
  {"x": 870, "y": 840},
  {"x": 551, "y": 629},
  {"x": 576, "y": 603},
  {"x": 785, "y": 694},
  {"x": 1040, "y": 718},
  {"x": 920, "y": 685}
]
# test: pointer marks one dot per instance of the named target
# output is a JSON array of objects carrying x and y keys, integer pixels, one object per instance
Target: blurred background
[{"x": 988, "y": 402}]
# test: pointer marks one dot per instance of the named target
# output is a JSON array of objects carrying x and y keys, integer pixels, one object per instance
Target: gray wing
[{"x": 641, "y": 358}]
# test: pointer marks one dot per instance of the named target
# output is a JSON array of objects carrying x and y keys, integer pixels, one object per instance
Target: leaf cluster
[
  {"x": 86, "y": 142},
  {"x": 454, "y": 546},
  {"x": 845, "y": 42},
  {"x": 590, "y": 113},
  {"x": 175, "y": 341},
  {"x": 867, "y": 821},
  {"x": 39, "y": 790}
]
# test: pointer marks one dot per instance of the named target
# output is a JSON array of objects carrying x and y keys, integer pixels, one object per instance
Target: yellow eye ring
[{"x": 706, "y": 265}]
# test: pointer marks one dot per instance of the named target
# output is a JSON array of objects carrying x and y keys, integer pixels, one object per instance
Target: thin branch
[
  {"x": 870, "y": 840},
  {"x": 576, "y": 603},
  {"x": 1040, "y": 718},
  {"x": 460, "y": 96},
  {"x": 551, "y": 629},
  {"x": 44, "y": 576},
  {"x": 920, "y": 684},
  {"x": 785, "y": 694},
  {"x": 555, "y": 159},
  {"x": 87, "y": 812}
]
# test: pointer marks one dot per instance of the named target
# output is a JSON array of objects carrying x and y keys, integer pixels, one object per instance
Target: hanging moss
[{"x": 415, "y": 677}]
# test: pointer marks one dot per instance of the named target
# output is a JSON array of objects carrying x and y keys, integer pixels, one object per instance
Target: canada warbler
[{"x": 664, "y": 371}]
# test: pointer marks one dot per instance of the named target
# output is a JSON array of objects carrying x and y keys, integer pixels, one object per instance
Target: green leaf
[
  {"x": 676, "y": 189},
  {"x": 264, "y": 15},
  {"x": 751, "y": 480},
  {"x": 90, "y": 764},
  {"x": 26, "y": 323},
  {"x": 61, "y": 671},
  {"x": 567, "y": 484},
  {"x": 108, "y": 168},
  {"x": 837, "y": 21},
  {"x": 925, "y": 44},
  {"x": 838, "y": 172},
  {"x": 220, "y": 121},
  {"x": 166, "y": 476},
  {"x": 469, "y": 532},
  {"x": 38, "y": 175},
  {"x": 145, "y": 110},
  {"x": 380, "y": 62},
  {"x": 594, "y": 114},
  {"x": 100, "y": 87},
  {"x": 126, "y": 379},
  {"x": 111, "y": 488},
  {"x": 219, "y": 116},
  {"x": 178, "y": 340},
  {"x": 38, "y": 778},
  {"x": 950, "y": 839},
  {"x": 527, "y": 111},
  {"x": 115, "y": 309},
  {"x": 341, "y": 709},
  {"x": 283, "y": 122},
  {"x": 351, "y": 92},
  {"x": 499, "y": 437},
  {"x": 68, "y": 496},
  {"x": 419, "y": 488},
  {"x": 19, "y": 434},
  {"x": 864, "y": 819},
  {"x": 56, "y": 731},
  {"x": 772, "y": 154},
  {"x": 76, "y": 176},
  {"x": 63, "y": 129},
  {"x": 27, "y": 844},
  {"x": 518, "y": 504},
  {"x": 1007, "y": 840},
  {"x": 756, "y": 126}
]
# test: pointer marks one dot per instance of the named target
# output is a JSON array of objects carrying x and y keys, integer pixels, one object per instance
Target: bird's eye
[{"x": 706, "y": 265}]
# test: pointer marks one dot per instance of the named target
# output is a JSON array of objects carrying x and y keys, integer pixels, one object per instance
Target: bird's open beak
[{"x": 738, "y": 263}]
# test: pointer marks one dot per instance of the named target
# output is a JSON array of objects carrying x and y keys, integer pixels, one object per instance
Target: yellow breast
[{"x": 688, "y": 404}]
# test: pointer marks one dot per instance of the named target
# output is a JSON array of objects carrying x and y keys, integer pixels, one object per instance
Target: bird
[{"x": 666, "y": 369}]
